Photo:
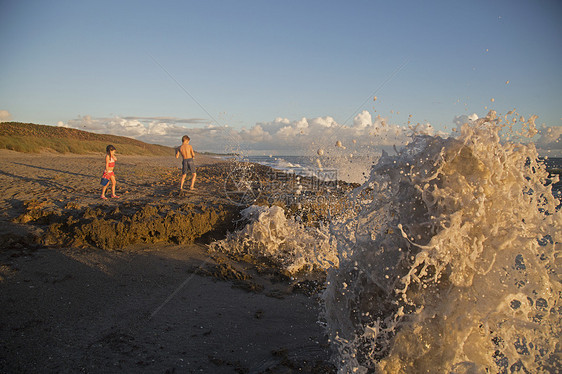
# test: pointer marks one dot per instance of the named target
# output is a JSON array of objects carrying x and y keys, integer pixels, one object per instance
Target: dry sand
[{"x": 155, "y": 304}]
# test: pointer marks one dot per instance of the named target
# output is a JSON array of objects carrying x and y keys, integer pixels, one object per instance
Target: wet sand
[{"x": 156, "y": 303}]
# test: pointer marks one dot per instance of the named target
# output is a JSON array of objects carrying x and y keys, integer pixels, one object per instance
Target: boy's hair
[
  {"x": 109, "y": 148},
  {"x": 184, "y": 138}
]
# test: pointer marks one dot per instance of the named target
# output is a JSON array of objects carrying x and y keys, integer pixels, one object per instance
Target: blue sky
[{"x": 242, "y": 63}]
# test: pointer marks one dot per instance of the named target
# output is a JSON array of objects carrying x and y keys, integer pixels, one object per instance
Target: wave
[{"x": 452, "y": 262}]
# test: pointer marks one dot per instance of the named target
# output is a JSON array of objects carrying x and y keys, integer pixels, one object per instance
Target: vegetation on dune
[{"x": 33, "y": 138}]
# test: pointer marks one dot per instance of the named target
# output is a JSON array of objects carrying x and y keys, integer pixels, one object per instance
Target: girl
[{"x": 108, "y": 172}]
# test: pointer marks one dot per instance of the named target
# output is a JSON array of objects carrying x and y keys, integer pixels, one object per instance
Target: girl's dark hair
[{"x": 109, "y": 148}]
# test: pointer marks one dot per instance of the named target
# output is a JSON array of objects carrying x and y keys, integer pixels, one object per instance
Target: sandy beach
[{"x": 127, "y": 285}]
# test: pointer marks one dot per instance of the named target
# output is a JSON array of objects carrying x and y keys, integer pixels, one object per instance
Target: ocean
[
  {"x": 448, "y": 259},
  {"x": 347, "y": 169},
  {"x": 354, "y": 170}
]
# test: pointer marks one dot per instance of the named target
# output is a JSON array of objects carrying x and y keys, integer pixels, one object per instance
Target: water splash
[
  {"x": 279, "y": 240},
  {"x": 453, "y": 261}
]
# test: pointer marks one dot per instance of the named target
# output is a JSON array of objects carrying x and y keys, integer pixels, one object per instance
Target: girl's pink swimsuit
[{"x": 109, "y": 174}]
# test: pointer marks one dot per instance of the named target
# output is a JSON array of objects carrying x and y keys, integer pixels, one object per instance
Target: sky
[{"x": 275, "y": 76}]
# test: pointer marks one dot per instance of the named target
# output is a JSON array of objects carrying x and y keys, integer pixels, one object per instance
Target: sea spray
[
  {"x": 282, "y": 241},
  {"x": 452, "y": 263}
]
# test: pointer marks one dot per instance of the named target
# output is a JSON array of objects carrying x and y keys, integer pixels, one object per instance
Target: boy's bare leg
[
  {"x": 182, "y": 181},
  {"x": 193, "y": 180}
]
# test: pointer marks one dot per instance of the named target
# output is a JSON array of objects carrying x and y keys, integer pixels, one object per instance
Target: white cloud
[
  {"x": 5, "y": 116},
  {"x": 255, "y": 135},
  {"x": 549, "y": 142},
  {"x": 174, "y": 120},
  {"x": 154, "y": 130},
  {"x": 462, "y": 119},
  {"x": 307, "y": 135},
  {"x": 551, "y": 136},
  {"x": 87, "y": 123},
  {"x": 323, "y": 122},
  {"x": 362, "y": 120}
]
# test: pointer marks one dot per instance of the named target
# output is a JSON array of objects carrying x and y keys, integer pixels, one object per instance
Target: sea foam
[{"x": 286, "y": 243}]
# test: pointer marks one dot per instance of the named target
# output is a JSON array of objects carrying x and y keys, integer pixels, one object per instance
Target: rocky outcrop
[{"x": 118, "y": 227}]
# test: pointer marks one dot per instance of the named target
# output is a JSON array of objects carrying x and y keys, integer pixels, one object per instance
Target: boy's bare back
[{"x": 186, "y": 151}]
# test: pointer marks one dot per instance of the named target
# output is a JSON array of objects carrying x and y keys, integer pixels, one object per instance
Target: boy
[{"x": 187, "y": 154}]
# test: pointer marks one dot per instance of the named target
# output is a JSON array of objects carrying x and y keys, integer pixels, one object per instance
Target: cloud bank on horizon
[
  {"x": 283, "y": 136},
  {"x": 280, "y": 136}
]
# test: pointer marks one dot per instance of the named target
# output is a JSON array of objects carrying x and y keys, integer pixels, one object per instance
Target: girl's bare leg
[{"x": 113, "y": 186}]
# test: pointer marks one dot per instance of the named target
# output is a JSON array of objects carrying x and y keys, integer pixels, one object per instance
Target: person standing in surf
[
  {"x": 108, "y": 172},
  {"x": 187, "y": 154}
]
